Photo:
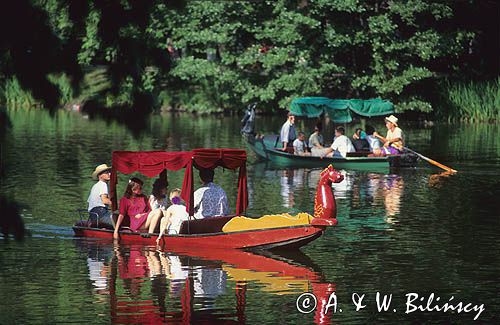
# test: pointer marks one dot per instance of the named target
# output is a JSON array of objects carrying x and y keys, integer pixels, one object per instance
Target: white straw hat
[
  {"x": 99, "y": 169},
  {"x": 393, "y": 119}
]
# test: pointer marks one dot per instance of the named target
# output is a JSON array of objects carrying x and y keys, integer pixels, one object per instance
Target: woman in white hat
[
  {"x": 99, "y": 198},
  {"x": 394, "y": 141}
]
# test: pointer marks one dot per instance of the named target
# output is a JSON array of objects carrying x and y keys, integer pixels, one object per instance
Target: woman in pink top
[{"x": 136, "y": 206}]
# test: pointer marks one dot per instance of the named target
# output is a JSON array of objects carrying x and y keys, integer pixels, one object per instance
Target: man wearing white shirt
[
  {"x": 341, "y": 145},
  {"x": 99, "y": 197},
  {"x": 287, "y": 134}
]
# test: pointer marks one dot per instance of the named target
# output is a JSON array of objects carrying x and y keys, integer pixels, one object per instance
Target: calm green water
[{"x": 399, "y": 232}]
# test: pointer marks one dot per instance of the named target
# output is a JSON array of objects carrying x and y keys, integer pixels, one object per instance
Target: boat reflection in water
[{"x": 144, "y": 285}]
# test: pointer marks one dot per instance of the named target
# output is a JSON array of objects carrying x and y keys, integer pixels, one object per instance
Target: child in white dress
[{"x": 173, "y": 216}]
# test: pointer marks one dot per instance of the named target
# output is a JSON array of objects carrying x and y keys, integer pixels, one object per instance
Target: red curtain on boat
[
  {"x": 149, "y": 163},
  {"x": 212, "y": 158},
  {"x": 152, "y": 163}
]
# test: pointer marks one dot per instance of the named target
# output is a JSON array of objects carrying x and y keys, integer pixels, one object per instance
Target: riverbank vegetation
[
  {"x": 205, "y": 56},
  {"x": 471, "y": 101}
]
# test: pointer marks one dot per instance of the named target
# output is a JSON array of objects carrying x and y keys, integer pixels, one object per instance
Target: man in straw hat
[
  {"x": 394, "y": 140},
  {"x": 99, "y": 197}
]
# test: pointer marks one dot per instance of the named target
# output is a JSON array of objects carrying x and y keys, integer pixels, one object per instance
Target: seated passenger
[
  {"x": 209, "y": 200},
  {"x": 98, "y": 200},
  {"x": 174, "y": 216},
  {"x": 299, "y": 146},
  {"x": 341, "y": 144},
  {"x": 316, "y": 143},
  {"x": 373, "y": 141},
  {"x": 359, "y": 140},
  {"x": 158, "y": 197},
  {"x": 136, "y": 206}
]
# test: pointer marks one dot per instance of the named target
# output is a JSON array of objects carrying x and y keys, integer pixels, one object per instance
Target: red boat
[{"x": 208, "y": 232}]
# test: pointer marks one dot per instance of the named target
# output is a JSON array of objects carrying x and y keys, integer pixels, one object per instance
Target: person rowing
[{"x": 394, "y": 140}]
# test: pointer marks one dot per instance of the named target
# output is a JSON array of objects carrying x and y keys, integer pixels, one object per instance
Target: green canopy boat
[{"x": 339, "y": 111}]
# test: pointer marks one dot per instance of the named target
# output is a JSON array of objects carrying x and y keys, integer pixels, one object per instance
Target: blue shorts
[{"x": 101, "y": 217}]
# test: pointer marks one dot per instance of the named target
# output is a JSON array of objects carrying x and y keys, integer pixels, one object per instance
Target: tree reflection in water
[
  {"x": 11, "y": 222},
  {"x": 144, "y": 285}
]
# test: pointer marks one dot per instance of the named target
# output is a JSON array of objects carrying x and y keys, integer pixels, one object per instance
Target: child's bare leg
[
  {"x": 164, "y": 223},
  {"x": 152, "y": 220}
]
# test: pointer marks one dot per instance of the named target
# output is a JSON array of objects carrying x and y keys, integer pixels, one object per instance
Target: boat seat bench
[
  {"x": 203, "y": 226},
  {"x": 359, "y": 154},
  {"x": 197, "y": 226}
]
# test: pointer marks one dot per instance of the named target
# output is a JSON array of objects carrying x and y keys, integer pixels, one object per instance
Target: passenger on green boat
[
  {"x": 373, "y": 141},
  {"x": 359, "y": 140},
  {"x": 316, "y": 143},
  {"x": 299, "y": 146},
  {"x": 287, "y": 134},
  {"x": 341, "y": 144}
]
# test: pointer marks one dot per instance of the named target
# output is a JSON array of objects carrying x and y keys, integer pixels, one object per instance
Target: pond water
[{"x": 400, "y": 231}]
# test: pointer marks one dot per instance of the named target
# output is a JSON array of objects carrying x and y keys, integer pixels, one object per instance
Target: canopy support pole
[{"x": 112, "y": 189}]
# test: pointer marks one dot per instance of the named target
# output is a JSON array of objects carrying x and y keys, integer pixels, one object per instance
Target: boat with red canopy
[{"x": 233, "y": 231}]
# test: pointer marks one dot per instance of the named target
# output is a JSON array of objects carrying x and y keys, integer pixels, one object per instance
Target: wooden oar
[{"x": 433, "y": 162}]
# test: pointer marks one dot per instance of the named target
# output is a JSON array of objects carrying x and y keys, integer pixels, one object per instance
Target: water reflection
[
  {"x": 291, "y": 180},
  {"x": 437, "y": 180},
  {"x": 141, "y": 284},
  {"x": 381, "y": 194}
]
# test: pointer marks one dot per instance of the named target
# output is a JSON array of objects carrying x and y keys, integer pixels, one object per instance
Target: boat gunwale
[
  {"x": 336, "y": 159},
  {"x": 203, "y": 234},
  {"x": 288, "y": 158}
]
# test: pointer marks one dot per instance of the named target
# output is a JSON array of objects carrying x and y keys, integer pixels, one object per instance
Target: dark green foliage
[
  {"x": 220, "y": 55},
  {"x": 273, "y": 51}
]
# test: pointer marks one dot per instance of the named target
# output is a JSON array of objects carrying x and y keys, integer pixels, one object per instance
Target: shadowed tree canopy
[
  {"x": 44, "y": 37},
  {"x": 225, "y": 53}
]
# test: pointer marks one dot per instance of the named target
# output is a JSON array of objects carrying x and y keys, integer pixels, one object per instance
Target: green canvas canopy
[{"x": 340, "y": 110}]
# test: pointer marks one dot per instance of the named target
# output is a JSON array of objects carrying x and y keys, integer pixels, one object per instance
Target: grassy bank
[
  {"x": 470, "y": 101},
  {"x": 12, "y": 94},
  {"x": 458, "y": 101},
  {"x": 96, "y": 86}
]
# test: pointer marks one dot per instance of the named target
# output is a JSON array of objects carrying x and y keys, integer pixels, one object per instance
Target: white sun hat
[
  {"x": 99, "y": 169},
  {"x": 393, "y": 119}
]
